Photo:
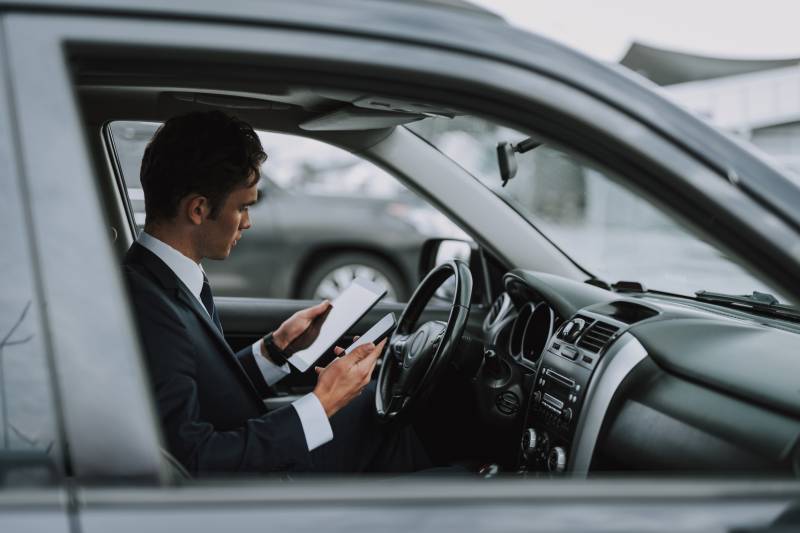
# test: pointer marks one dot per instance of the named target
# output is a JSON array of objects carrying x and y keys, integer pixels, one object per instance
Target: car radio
[{"x": 557, "y": 395}]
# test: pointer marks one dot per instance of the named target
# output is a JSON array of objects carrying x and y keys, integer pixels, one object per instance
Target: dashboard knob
[
  {"x": 529, "y": 441},
  {"x": 566, "y": 415},
  {"x": 557, "y": 459},
  {"x": 537, "y": 397}
]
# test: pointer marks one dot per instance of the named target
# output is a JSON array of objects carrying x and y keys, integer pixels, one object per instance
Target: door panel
[
  {"x": 426, "y": 504},
  {"x": 35, "y": 511}
]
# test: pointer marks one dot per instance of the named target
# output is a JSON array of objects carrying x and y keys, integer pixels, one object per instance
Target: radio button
[
  {"x": 569, "y": 353},
  {"x": 529, "y": 442},
  {"x": 557, "y": 459}
]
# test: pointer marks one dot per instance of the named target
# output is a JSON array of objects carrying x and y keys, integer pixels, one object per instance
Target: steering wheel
[{"x": 416, "y": 358}]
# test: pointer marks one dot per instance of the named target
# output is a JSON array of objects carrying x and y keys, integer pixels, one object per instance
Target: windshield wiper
[{"x": 761, "y": 302}]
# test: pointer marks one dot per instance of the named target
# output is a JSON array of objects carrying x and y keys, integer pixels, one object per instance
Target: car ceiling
[{"x": 134, "y": 91}]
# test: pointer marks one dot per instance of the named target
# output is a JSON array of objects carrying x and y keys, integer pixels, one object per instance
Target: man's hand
[
  {"x": 345, "y": 377},
  {"x": 297, "y": 324}
]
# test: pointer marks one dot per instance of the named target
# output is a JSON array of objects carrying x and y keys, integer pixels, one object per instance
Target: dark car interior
[{"x": 544, "y": 375}]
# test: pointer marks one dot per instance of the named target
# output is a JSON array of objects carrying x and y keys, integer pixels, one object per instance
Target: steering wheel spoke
[
  {"x": 398, "y": 345},
  {"x": 396, "y": 404}
]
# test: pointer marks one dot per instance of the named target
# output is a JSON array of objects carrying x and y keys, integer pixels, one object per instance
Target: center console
[{"x": 557, "y": 396}]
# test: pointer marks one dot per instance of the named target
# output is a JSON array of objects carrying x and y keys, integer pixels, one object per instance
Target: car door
[
  {"x": 33, "y": 494},
  {"x": 122, "y": 450}
]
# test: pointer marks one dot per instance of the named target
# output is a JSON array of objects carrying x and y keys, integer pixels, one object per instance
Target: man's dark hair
[{"x": 206, "y": 153}]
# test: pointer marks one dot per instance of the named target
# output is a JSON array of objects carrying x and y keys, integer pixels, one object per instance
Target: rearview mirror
[{"x": 507, "y": 160}]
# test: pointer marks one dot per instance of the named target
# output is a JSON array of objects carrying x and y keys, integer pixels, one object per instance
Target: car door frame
[
  {"x": 53, "y": 509},
  {"x": 89, "y": 358}
]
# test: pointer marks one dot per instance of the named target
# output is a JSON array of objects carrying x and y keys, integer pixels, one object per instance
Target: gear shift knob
[{"x": 492, "y": 364}]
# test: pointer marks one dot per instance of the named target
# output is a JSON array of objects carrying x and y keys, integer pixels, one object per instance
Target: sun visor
[{"x": 357, "y": 118}]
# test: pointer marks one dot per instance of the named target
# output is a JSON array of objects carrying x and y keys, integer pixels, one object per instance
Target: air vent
[
  {"x": 507, "y": 403},
  {"x": 497, "y": 312},
  {"x": 597, "y": 336},
  {"x": 573, "y": 327}
]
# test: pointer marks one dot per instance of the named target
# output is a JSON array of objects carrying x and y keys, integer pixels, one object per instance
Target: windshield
[{"x": 605, "y": 228}]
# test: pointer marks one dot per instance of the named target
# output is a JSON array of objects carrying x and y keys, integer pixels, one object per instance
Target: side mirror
[{"x": 437, "y": 251}]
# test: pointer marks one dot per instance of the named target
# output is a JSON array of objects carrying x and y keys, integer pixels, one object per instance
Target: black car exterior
[{"x": 111, "y": 473}]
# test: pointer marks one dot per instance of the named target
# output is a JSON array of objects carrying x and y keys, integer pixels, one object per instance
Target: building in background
[{"x": 757, "y": 100}]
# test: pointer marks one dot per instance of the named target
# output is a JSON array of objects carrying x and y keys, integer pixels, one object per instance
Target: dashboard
[{"x": 608, "y": 381}]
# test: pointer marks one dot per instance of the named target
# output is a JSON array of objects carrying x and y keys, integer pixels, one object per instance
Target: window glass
[
  {"x": 610, "y": 232},
  {"x": 29, "y": 447},
  {"x": 326, "y": 216},
  {"x": 782, "y": 143}
]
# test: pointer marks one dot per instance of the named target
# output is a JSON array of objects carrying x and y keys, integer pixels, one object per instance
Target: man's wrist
[
  {"x": 324, "y": 401},
  {"x": 279, "y": 340},
  {"x": 270, "y": 349}
]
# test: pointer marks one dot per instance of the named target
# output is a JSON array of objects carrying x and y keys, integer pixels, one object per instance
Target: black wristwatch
[{"x": 275, "y": 354}]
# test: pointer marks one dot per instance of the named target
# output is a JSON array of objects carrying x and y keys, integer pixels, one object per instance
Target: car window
[
  {"x": 29, "y": 444},
  {"x": 325, "y": 217},
  {"x": 611, "y": 232}
]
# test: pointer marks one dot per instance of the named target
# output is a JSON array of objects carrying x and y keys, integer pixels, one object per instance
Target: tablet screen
[{"x": 346, "y": 310}]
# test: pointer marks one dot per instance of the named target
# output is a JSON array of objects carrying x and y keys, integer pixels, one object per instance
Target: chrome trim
[
  {"x": 563, "y": 380},
  {"x": 553, "y": 401},
  {"x": 623, "y": 355},
  {"x": 505, "y": 306}
]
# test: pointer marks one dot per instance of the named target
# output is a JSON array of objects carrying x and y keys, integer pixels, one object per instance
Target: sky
[{"x": 604, "y": 29}]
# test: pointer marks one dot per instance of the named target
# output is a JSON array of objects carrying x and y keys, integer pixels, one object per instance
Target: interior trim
[{"x": 613, "y": 368}]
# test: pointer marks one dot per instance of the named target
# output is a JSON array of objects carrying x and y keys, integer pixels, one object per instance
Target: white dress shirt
[{"x": 316, "y": 426}]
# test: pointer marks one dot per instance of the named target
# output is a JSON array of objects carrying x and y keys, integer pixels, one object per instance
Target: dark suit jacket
[{"x": 209, "y": 398}]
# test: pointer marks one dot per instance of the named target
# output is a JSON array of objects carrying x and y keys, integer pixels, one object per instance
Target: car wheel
[{"x": 334, "y": 274}]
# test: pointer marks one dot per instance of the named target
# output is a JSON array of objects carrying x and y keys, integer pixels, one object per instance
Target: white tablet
[{"x": 347, "y": 309}]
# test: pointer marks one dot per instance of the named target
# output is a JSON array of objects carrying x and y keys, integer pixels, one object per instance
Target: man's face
[{"x": 220, "y": 235}]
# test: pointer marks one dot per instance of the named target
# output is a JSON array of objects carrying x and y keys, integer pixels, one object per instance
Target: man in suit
[{"x": 199, "y": 175}]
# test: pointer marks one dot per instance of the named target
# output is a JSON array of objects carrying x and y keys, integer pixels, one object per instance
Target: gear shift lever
[{"x": 492, "y": 364}]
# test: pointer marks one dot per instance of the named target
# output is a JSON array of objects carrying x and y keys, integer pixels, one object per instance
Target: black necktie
[{"x": 208, "y": 302}]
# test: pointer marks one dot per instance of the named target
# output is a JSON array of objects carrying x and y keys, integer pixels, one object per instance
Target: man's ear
[{"x": 197, "y": 209}]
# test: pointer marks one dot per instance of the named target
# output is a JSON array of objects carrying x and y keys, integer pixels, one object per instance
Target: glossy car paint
[{"x": 679, "y": 158}]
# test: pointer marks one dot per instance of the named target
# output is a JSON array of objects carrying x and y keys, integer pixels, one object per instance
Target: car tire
[{"x": 333, "y": 274}]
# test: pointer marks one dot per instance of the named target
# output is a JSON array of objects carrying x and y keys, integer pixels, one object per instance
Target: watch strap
[{"x": 275, "y": 354}]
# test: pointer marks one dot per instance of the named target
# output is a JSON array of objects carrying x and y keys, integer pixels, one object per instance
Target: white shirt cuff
[
  {"x": 272, "y": 373},
  {"x": 315, "y": 423}
]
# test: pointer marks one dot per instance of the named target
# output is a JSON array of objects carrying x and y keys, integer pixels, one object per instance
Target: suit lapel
[
  {"x": 141, "y": 255},
  {"x": 185, "y": 295}
]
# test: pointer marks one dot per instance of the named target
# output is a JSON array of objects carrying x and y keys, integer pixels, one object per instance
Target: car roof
[
  {"x": 233, "y": 8},
  {"x": 460, "y": 27}
]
